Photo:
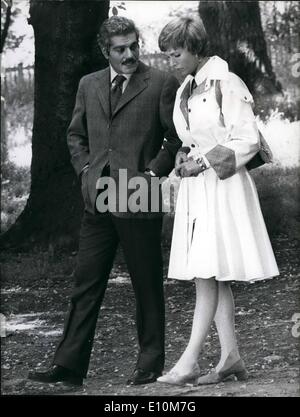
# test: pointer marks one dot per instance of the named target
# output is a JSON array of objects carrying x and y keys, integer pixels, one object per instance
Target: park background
[{"x": 40, "y": 199}]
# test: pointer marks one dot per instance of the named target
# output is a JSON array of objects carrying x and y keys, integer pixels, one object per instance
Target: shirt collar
[{"x": 113, "y": 74}]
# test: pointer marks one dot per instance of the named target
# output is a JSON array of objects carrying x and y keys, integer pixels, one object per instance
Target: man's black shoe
[
  {"x": 140, "y": 377},
  {"x": 56, "y": 373}
]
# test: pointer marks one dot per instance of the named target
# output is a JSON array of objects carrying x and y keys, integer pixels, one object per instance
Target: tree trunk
[
  {"x": 65, "y": 50},
  {"x": 235, "y": 32}
]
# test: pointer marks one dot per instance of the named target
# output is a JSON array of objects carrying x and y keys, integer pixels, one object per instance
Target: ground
[{"x": 35, "y": 291}]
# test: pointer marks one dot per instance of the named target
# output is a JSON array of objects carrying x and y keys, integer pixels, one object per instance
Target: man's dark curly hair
[{"x": 115, "y": 26}]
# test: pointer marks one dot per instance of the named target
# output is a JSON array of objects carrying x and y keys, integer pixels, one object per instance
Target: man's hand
[
  {"x": 150, "y": 172},
  {"x": 181, "y": 157},
  {"x": 191, "y": 168}
]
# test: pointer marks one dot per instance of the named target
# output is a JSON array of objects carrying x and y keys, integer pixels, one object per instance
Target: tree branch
[{"x": 6, "y": 24}]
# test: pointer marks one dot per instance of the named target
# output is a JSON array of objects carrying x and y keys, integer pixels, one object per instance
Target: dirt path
[{"x": 35, "y": 291}]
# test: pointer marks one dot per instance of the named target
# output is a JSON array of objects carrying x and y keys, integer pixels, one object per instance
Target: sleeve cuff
[{"x": 222, "y": 160}]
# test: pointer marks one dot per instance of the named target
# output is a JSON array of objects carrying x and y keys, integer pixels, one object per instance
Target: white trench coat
[{"x": 219, "y": 230}]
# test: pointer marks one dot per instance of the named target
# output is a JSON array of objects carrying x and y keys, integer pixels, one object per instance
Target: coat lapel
[
  {"x": 201, "y": 88},
  {"x": 184, "y": 101},
  {"x": 103, "y": 90},
  {"x": 186, "y": 94},
  {"x": 138, "y": 83}
]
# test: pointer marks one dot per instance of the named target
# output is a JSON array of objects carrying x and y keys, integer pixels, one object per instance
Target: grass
[
  {"x": 278, "y": 189},
  {"x": 14, "y": 193}
]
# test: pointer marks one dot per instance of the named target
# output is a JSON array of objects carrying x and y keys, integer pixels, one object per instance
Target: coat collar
[
  {"x": 138, "y": 82},
  {"x": 214, "y": 69}
]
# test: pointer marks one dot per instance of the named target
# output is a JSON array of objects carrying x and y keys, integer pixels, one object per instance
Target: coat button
[
  {"x": 190, "y": 110},
  {"x": 204, "y": 99},
  {"x": 192, "y": 145}
]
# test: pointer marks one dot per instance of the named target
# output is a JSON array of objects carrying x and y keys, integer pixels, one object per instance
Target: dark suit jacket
[{"x": 139, "y": 135}]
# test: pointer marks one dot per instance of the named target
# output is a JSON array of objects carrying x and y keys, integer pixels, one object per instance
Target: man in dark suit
[{"x": 122, "y": 123}]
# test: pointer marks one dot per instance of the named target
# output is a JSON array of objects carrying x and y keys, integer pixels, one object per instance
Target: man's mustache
[{"x": 129, "y": 61}]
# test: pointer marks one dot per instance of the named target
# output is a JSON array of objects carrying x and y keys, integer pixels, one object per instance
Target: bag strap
[
  {"x": 218, "y": 93},
  {"x": 219, "y": 97}
]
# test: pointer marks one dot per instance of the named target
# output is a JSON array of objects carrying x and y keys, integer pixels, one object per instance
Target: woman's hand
[
  {"x": 191, "y": 168},
  {"x": 181, "y": 157}
]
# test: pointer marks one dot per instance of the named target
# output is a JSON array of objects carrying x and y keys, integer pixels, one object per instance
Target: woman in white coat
[{"x": 219, "y": 232}]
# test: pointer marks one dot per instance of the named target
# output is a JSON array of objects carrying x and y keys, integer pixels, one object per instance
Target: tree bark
[
  {"x": 65, "y": 50},
  {"x": 236, "y": 35}
]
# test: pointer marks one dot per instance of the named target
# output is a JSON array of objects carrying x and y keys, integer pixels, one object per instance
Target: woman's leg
[
  {"x": 224, "y": 320},
  {"x": 205, "y": 309}
]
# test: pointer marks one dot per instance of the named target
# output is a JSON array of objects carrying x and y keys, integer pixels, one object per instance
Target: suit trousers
[{"x": 140, "y": 239}]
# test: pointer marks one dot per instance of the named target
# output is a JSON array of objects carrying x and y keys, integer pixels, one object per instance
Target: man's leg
[
  {"x": 97, "y": 247},
  {"x": 141, "y": 243}
]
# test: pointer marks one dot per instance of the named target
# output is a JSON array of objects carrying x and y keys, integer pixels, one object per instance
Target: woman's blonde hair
[{"x": 185, "y": 32}]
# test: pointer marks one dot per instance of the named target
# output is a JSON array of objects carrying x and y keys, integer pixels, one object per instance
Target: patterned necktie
[{"x": 116, "y": 91}]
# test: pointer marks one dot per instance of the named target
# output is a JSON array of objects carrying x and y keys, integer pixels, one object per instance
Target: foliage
[
  {"x": 14, "y": 193},
  {"x": 18, "y": 92},
  {"x": 18, "y": 117},
  {"x": 115, "y": 8},
  {"x": 182, "y": 10},
  {"x": 12, "y": 40},
  {"x": 281, "y": 23},
  {"x": 278, "y": 189},
  {"x": 285, "y": 104}
]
